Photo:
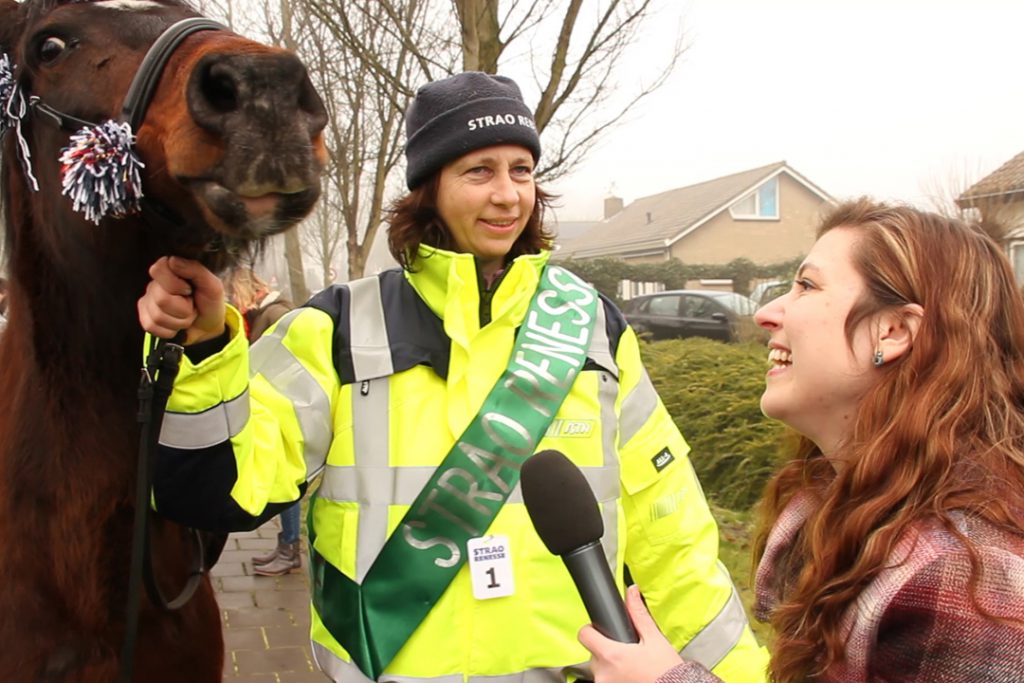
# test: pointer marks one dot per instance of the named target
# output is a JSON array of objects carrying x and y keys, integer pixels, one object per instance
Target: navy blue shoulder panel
[
  {"x": 415, "y": 334},
  {"x": 336, "y": 301},
  {"x": 614, "y": 323}
]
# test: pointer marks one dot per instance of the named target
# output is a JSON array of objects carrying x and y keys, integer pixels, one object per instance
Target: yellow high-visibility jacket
[{"x": 370, "y": 384}]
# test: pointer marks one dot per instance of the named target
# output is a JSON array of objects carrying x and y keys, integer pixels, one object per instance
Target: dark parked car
[
  {"x": 691, "y": 313},
  {"x": 769, "y": 291}
]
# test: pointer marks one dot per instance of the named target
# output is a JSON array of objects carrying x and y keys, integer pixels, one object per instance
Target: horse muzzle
[{"x": 266, "y": 122}]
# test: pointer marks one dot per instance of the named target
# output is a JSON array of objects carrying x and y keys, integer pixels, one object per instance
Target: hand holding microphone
[
  {"x": 566, "y": 516},
  {"x": 613, "y": 662}
]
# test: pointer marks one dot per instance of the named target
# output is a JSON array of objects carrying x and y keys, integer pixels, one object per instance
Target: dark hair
[{"x": 413, "y": 220}]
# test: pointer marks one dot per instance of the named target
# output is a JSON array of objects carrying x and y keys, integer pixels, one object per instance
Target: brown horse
[{"x": 232, "y": 146}]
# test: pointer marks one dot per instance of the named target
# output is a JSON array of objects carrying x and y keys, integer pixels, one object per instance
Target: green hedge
[
  {"x": 605, "y": 273},
  {"x": 713, "y": 391}
]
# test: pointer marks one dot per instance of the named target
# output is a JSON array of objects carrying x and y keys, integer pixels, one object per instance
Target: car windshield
[{"x": 737, "y": 302}]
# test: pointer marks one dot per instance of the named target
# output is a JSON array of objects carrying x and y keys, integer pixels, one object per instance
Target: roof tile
[{"x": 1006, "y": 179}]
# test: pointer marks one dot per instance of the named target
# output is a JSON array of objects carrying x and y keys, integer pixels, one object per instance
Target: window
[
  {"x": 762, "y": 203},
  {"x": 1017, "y": 258},
  {"x": 629, "y": 289},
  {"x": 664, "y": 305},
  {"x": 698, "y": 307}
]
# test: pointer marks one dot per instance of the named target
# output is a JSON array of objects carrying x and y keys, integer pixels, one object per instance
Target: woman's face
[
  {"x": 817, "y": 377},
  {"x": 485, "y": 199}
]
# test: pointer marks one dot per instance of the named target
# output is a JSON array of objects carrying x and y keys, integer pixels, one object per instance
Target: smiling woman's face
[
  {"x": 817, "y": 377},
  {"x": 485, "y": 199}
]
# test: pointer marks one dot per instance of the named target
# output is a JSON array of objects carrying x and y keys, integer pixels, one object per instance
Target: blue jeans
[{"x": 290, "y": 520}]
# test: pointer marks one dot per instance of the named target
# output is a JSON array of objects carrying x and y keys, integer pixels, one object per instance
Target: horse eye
[{"x": 51, "y": 48}]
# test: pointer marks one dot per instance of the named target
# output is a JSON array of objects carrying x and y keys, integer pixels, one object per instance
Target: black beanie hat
[{"x": 462, "y": 113}]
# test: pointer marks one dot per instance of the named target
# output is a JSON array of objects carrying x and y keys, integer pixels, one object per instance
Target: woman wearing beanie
[{"x": 418, "y": 394}]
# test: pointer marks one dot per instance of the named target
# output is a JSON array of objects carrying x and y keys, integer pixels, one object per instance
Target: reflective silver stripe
[
  {"x": 208, "y": 428},
  {"x": 270, "y": 358},
  {"x": 600, "y": 348},
  {"x": 530, "y": 676},
  {"x": 382, "y": 486},
  {"x": 720, "y": 636},
  {"x": 371, "y": 358},
  {"x": 340, "y": 671},
  {"x": 368, "y": 334},
  {"x": 637, "y": 408},
  {"x": 608, "y": 390},
  {"x": 610, "y": 540},
  {"x": 371, "y": 480}
]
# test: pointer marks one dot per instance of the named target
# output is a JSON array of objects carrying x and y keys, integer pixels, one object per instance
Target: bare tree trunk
[
  {"x": 366, "y": 59},
  {"x": 481, "y": 39},
  {"x": 292, "y": 242},
  {"x": 296, "y": 274}
]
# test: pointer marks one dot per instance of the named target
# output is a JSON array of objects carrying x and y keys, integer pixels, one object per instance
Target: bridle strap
[
  {"x": 64, "y": 121},
  {"x": 143, "y": 85},
  {"x": 140, "y": 92}
]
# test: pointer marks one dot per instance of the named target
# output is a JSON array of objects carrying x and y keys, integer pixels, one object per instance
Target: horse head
[
  {"x": 230, "y": 142},
  {"x": 131, "y": 129}
]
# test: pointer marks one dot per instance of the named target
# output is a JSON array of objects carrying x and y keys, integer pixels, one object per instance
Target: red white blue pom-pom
[{"x": 100, "y": 171}]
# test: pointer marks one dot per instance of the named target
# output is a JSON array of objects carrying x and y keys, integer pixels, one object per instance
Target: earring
[{"x": 878, "y": 359}]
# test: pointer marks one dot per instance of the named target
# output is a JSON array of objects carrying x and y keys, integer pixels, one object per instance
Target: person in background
[
  {"x": 892, "y": 546},
  {"x": 260, "y": 308},
  {"x": 418, "y": 393}
]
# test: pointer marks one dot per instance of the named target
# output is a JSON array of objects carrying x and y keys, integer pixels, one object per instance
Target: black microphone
[{"x": 567, "y": 518}]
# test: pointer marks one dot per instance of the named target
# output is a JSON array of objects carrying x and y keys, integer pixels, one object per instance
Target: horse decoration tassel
[
  {"x": 8, "y": 119},
  {"x": 100, "y": 171},
  {"x": 12, "y": 110}
]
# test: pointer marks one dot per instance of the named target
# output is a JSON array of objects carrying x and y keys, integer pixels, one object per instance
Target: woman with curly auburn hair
[{"x": 892, "y": 544}]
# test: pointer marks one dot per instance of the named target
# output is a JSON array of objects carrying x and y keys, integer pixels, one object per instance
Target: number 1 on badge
[{"x": 490, "y": 567}]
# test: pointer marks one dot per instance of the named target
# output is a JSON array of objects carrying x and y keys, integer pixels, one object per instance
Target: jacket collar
[{"x": 448, "y": 282}]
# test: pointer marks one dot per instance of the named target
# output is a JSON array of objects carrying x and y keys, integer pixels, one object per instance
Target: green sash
[{"x": 372, "y": 621}]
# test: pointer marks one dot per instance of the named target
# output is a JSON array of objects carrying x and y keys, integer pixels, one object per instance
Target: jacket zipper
[{"x": 486, "y": 294}]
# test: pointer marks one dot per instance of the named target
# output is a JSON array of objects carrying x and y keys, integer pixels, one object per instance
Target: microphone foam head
[{"x": 560, "y": 503}]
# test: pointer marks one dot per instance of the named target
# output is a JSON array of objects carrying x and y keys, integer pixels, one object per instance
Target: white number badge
[{"x": 490, "y": 567}]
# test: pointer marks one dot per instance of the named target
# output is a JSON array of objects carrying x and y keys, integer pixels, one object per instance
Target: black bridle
[
  {"x": 140, "y": 92},
  {"x": 135, "y": 104},
  {"x": 161, "y": 364}
]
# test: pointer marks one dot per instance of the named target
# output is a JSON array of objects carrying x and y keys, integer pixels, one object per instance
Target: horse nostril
[
  {"x": 218, "y": 86},
  {"x": 312, "y": 105}
]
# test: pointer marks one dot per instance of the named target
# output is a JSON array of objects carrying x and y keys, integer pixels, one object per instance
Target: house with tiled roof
[
  {"x": 764, "y": 214},
  {"x": 999, "y": 201}
]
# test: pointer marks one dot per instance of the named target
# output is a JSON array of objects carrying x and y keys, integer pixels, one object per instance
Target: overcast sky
[{"x": 898, "y": 99}]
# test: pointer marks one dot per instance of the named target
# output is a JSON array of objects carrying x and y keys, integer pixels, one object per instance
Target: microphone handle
[{"x": 593, "y": 578}]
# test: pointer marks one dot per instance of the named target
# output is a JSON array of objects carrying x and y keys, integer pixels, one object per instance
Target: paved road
[{"x": 266, "y": 619}]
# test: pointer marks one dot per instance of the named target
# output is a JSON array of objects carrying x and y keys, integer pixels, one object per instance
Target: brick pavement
[{"x": 266, "y": 619}]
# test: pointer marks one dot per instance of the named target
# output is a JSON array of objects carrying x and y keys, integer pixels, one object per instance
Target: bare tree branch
[
  {"x": 361, "y": 61},
  {"x": 367, "y": 59}
]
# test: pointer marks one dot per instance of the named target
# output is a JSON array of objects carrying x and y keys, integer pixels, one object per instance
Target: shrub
[{"x": 713, "y": 390}]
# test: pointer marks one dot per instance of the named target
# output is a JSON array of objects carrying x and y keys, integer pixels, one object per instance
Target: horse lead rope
[
  {"x": 155, "y": 386},
  {"x": 160, "y": 369}
]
